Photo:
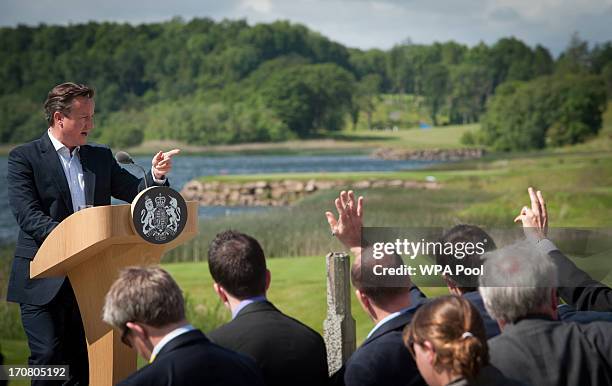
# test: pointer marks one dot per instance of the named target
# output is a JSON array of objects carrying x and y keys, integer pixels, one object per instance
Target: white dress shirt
[{"x": 73, "y": 170}]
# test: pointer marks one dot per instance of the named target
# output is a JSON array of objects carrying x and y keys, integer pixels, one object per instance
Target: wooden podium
[{"x": 91, "y": 247}]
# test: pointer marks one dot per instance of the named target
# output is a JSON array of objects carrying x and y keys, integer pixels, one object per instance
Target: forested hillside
[{"x": 207, "y": 82}]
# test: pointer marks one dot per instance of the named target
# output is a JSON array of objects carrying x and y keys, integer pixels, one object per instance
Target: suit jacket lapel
[
  {"x": 88, "y": 175},
  {"x": 52, "y": 162}
]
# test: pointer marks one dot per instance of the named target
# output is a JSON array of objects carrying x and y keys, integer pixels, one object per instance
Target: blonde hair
[{"x": 456, "y": 331}]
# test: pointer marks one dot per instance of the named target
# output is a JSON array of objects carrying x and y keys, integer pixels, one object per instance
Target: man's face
[{"x": 73, "y": 129}]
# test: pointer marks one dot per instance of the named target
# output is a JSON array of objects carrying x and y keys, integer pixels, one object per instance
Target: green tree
[
  {"x": 576, "y": 57},
  {"x": 550, "y": 110},
  {"x": 470, "y": 86},
  {"x": 332, "y": 89},
  {"x": 121, "y": 130},
  {"x": 606, "y": 74},
  {"x": 310, "y": 97},
  {"x": 581, "y": 101},
  {"x": 400, "y": 70},
  {"x": 368, "y": 62},
  {"x": 367, "y": 93},
  {"x": 290, "y": 98},
  {"x": 543, "y": 63},
  {"x": 517, "y": 117},
  {"x": 21, "y": 119},
  {"x": 511, "y": 59},
  {"x": 435, "y": 89},
  {"x": 601, "y": 55}
]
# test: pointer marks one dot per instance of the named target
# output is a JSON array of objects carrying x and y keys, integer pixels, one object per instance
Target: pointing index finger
[{"x": 171, "y": 153}]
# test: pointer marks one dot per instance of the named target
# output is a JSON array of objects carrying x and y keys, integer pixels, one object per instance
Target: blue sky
[{"x": 356, "y": 23}]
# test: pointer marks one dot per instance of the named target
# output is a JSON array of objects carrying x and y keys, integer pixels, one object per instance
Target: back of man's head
[
  {"x": 237, "y": 263},
  {"x": 469, "y": 258},
  {"x": 517, "y": 281},
  {"x": 383, "y": 289},
  {"x": 147, "y": 295}
]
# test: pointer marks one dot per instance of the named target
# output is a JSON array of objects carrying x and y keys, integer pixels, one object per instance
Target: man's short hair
[
  {"x": 237, "y": 262},
  {"x": 61, "y": 96},
  {"x": 380, "y": 289},
  {"x": 517, "y": 281},
  {"x": 147, "y": 295},
  {"x": 464, "y": 233}
]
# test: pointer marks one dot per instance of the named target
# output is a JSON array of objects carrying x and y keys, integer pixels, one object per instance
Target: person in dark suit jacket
[
  {"x": 148, "y": 307},
  {"x": 287, "y": 351},
  {"x": 49, "y": 179},
  {"x": 518, "y": 287},
  {"x": 467, "y": 285},
  {"x": 578, "y": 288},
  {"x": 382, "y": 359}
]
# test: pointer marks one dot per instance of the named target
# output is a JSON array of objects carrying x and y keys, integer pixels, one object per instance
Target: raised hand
[
  {"x": 534, "y": 219},
  {"x": 162, "y": 163},
  {"x": 347, "y": 227}
]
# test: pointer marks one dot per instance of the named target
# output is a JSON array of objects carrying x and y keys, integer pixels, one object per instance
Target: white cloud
[
  {"x": 544, "y": 9},
  {"x": 261, "y": 6}
]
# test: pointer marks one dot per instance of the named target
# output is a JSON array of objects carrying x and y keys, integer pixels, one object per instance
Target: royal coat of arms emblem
[{"x": 159, "y": 214}]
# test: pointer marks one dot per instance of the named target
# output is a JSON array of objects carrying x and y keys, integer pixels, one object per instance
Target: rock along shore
[
  {"x": 429, "y": 154},
  {"x": 282, "y": 192}
]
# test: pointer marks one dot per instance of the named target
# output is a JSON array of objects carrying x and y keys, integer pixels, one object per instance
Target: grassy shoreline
[
  {"x": 489, "y": 166},
  {"x": 342, "y": 142}
]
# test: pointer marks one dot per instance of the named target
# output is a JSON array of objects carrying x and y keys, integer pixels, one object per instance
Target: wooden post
[
  {"x": 196, "y": 249},
  {"x": 339, "y": 325}
]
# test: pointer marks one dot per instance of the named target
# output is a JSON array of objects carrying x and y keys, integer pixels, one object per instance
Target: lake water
[{"x": 186, "y": 168}]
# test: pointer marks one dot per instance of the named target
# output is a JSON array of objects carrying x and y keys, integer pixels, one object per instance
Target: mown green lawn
[{"x": 441, "y": 137}]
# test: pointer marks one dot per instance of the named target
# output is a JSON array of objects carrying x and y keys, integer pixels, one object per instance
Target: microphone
[{"x": 125, "y": 159}]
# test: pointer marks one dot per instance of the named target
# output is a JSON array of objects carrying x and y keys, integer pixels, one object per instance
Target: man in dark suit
[
  {"x": 288, "y": 352},
  {"x": 49, "y": 179},
  {"x": 383, "y": 358},
  {"x": 148, "y": 307},
  {"x": 518, "y": 287}
]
